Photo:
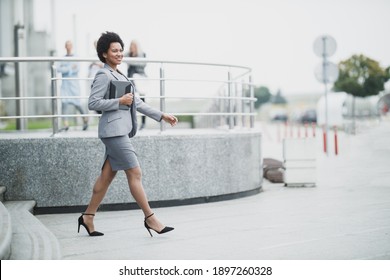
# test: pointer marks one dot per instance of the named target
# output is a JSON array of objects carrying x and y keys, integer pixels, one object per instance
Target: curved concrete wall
[{"x": 60, "y": 171}]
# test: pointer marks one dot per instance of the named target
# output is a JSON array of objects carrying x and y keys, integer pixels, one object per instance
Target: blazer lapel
[{"x": 133, "y": 109}]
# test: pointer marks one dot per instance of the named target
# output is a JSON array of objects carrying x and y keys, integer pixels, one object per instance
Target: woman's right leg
[{"x": 99, "y": 191}]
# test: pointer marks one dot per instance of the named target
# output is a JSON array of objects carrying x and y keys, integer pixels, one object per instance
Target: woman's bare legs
[
  {"x": 134, "y": 178},
  {"x": 99, "y": 191}
]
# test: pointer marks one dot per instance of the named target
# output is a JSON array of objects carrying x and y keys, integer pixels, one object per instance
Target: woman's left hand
[{"x": 171, "y": 119}]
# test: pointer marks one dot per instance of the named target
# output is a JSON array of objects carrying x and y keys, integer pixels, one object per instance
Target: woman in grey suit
[{"x": 115, "y": 126}]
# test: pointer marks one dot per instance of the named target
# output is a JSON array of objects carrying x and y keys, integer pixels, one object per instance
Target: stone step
[
  {"x": 5, "y": 233},
  {"x": 31, "y": 240},
  {"x": 2, "y": 191}
]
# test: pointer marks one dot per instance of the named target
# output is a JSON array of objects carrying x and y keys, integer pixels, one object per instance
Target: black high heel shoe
[
  {"x": 81, "y": 223},
  {"x": 164, "y": 230}
]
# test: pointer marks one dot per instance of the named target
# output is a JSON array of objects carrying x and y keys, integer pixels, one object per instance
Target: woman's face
[{"x": 114, "y": 55}]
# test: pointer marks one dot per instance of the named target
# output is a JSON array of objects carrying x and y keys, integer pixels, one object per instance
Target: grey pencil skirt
[{"x": 120, "y": 152}]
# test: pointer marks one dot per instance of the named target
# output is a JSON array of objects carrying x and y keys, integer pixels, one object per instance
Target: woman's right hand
[{"x": 126, "y": 99}]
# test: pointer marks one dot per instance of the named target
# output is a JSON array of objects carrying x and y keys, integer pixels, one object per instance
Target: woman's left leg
[{"x": 134, "y": 178}]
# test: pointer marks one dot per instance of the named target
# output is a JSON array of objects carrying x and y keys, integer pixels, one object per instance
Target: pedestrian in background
[
  {"x": 70, "y": 87},
  {"x": 136, "y": 70}
]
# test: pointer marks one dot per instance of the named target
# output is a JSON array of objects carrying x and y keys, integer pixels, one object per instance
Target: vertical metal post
[
  {"x": 252, "y": 103},
  {"x": 20, "y": 125},
  {"x": 20, "y": 108},
  {"x": 221, "y": 105},
  {"x": 53, "y": 17},
  {"x": 54, "y": 101},
  {"x": 243, "y": 118},
  {"x": 325, "y": 77},
  {"x": 230, "y": 102},
  {"x": 162, "y": 95},
  {"x": 236, "y": 108}
]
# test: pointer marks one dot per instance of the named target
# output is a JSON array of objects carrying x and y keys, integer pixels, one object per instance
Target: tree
[
  {"x": 262, "y": 94},
  {"x": 360, "y": 76}
]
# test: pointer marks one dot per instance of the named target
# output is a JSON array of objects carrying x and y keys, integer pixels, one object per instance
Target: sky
[{"x": 273, "y": 37}]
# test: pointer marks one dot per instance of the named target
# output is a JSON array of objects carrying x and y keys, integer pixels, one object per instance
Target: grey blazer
[{"x": 114, "y": 121}]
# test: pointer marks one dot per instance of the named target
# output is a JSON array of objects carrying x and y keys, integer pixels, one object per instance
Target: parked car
[
  {"x": 280, "y": 117},
  {"x": 279, "y": 114},
  {"x": 309, "y": 116}
]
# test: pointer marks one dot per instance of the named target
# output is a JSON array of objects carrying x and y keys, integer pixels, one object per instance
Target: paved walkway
[{"x": 345, "y": 217}]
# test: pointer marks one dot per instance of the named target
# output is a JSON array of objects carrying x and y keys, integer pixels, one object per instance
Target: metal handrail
[
  {"x": 125, "y": 59},
  {"x": 231, "y": 82},
  {"x": 149, "y": 96}
]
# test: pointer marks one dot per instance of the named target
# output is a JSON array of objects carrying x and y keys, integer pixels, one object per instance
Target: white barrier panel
[{"x": 299, "y": 161}]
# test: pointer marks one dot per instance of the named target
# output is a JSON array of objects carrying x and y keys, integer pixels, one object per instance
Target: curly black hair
[{"x": 104, "y": 42}]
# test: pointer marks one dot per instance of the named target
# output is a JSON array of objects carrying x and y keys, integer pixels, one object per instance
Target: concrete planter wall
[{"x": 60, "y": 171}]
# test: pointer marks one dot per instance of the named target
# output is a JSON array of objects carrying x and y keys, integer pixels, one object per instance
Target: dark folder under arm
[{"x": 120, "y": 88}]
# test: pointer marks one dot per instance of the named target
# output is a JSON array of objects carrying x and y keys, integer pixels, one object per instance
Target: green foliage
[
  {"x": 31, "y": 124},
  {"x": 189, "y": 119},
  {"x": 262, "y": 94},
  {"x": 361, "y": 76}
]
